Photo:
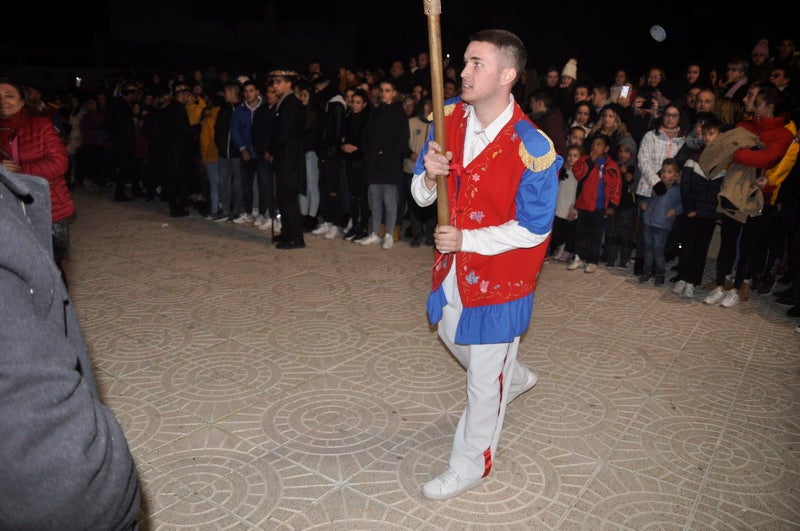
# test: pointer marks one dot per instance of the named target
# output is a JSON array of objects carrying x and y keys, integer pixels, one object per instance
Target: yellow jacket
[
  {"x": 208, "y": 148},
  {"x": 778, "y": 173}
]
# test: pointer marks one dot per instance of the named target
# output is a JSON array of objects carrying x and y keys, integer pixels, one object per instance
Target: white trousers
[{"x": 489, "y": 369}]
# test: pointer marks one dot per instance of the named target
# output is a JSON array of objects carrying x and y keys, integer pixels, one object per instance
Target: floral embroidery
[
  {"x": 477, "y": 216},
  {"x": 476, "y": 177},
  {"x": 484, "y": 286},
  {"x": 472, "y": 278}
]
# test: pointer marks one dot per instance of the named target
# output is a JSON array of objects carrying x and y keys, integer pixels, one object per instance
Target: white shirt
[{"x": 487, "y": 240}]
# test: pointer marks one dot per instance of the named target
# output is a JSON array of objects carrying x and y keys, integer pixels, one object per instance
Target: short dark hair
[{"x": 509, "y": 44}]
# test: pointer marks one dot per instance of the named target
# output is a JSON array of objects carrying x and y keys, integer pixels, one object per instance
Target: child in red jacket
[{"x": 599, "y": 190}]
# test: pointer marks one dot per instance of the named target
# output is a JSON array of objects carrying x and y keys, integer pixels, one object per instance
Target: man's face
[
  {"x": 388, "y": 93},
  {"x": 480, "y": 77},
  {"x": 598, "y": 98},
  {"x": 250, "y": 93},
  {"x": 704, "y": 102},
  {"x": 231, "y": 95},
  {"x": 581, "y": 94},
  {"x": 281, "y": 86}
]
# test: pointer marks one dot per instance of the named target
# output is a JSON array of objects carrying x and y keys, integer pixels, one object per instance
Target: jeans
[
  {"x": 260, "y": 171},
  {"x": 589, "y": 228},
  {"x": 230, "y": 185},
  {"x": 212, "y": 171},
  {"x": 655, "y": 241},
  {"x": 309, "y": 203},
  {"x": 383, "y": 196}
]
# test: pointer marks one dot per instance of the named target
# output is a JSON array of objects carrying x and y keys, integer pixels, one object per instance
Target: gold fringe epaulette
[
  {"x": 448, "y": 110},
  {"x": 537, "y": 163}
]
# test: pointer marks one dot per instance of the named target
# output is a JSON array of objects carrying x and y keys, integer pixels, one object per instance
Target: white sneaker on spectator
[
  {"x": 323, "y": 228},
  {"x": 688, "y": 291},
  {"x": 333, "y": 232},
  {"x": 241, "y": 218},
  {"x": 448, "y": 484},
  {"x": 259, "y": 220},
  {"x": 590, "y": 268},
  {"x": 369, "y": 240},
  {"x": 716, "y": 296},
  {"x": 679, "y": 286},
  {"x": 388, "y": 242},
  {"x": 576, "y": 263},
  {"x": 731, "y": 298}
]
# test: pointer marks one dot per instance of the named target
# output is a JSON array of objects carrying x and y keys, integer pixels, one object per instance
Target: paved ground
[{"x": 265, "y": 389}]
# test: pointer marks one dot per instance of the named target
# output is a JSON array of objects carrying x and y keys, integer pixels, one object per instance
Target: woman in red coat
[{"x": 31, "y": 145}]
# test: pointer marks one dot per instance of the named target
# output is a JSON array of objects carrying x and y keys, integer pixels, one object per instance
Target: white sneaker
[
  {"x": 530, "y": 381},
  {"x": 716, "y": 296},
  {"x": 333, "y": 232},
  {"x": 679, "y": 286},
  {"x": 731, "y": 298},
  {"x": 447, "y": 485},
  {"x": 259, "y": 220},
  {"x": 369, "y": 240},
  {"x": 322, "y": 229},
  {"x": 576, "y": 263},
  {"x": 688, "y": 291},
  {"x": 266, "y": 224},
  {"x": 388, "y": 242},
  {"x": 241, "y": 218}
]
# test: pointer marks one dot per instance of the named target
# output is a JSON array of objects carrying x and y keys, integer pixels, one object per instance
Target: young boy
[
  {"x": 699, "y": 200},
  {"x": 599, "y": 185},
  {"x": 659, "y": 214},
  {"x": 620, "y": 226}
]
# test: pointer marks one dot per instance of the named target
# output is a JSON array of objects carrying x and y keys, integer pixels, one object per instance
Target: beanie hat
[
  {"x": 571, "y": 69},
  {"x": 761, "y": 48}
]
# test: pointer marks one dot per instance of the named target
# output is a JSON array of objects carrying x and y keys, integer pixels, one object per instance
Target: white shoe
[
  {"x": 388, "y": 242},
  {"x": 688, "y": 291},
  {"x": 576, "y": 263},
  {"x": 731, "y": 298},
  {"x": 447, "y": 485},
  {"x": 322, "y": 229},
  {"x": 530, "y": 381},
  {"x": 259, "y": 220},
  {"x": 369, "y": 240},
  {"x": 241, "y": 218},
  {"x": 679, "y": 286},
  {"x": 716, "y": 296},
  {"x": 266, "y": 224},
  {"x": 333, "y": 232}
]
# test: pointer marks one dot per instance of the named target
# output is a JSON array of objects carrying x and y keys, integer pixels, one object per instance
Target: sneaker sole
[{"x": 448, "y": 495}]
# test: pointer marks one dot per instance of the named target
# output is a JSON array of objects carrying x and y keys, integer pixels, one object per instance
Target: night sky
[{"x": 602, "y": 34}]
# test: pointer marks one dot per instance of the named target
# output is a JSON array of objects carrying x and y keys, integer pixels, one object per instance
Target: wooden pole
[{"x": 433, "y": 9}]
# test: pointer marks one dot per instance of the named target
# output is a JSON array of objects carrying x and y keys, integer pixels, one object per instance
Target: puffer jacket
[{"x": 41, "y": 151}]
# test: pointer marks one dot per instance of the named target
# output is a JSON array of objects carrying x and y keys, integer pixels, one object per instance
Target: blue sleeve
[
  {"x": 236, "y": 129},
  {"x": 538, "y": 189}
]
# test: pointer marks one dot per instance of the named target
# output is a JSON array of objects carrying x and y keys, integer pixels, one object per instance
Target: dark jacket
[
  {"x": 353, "y": 132},
  {"x": 332, "y": 124},
  {"x": 698, "y": 192},
  {"x": 287, "y": 145},
  {"x": 385, "y": 143},
  {"x": 122, "y": 130},
  {"x": 64, "y": 460},
  {"x": 263, "y": 120},
  {"x": 222, "y": 133}
]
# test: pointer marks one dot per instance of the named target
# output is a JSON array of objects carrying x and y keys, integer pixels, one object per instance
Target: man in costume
[{"x": 501, "y": 192}]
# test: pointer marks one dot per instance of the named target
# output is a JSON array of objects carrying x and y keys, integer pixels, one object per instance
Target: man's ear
[{"x": 507, "y": 76}]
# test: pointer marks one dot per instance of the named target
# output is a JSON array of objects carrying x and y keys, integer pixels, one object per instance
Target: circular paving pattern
[
  {"x": 331, "y": 421},
  {"x": 741, "y": 462},
  {"x": 323, "y": 339},
  {"x": 412, "y": 370}
]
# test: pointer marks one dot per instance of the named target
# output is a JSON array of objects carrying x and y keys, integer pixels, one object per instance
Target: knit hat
[
  {"x": 761, "y": 48},
  {"x": 571, "y": 69}
]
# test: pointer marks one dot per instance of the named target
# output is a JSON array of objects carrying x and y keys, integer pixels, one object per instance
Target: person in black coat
[
  {"x": 64, "y": 460},
  {"x": 287, "y": 150},
  {"x": 122, "y": 134},
  {"x": 178, "y": 142}
]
